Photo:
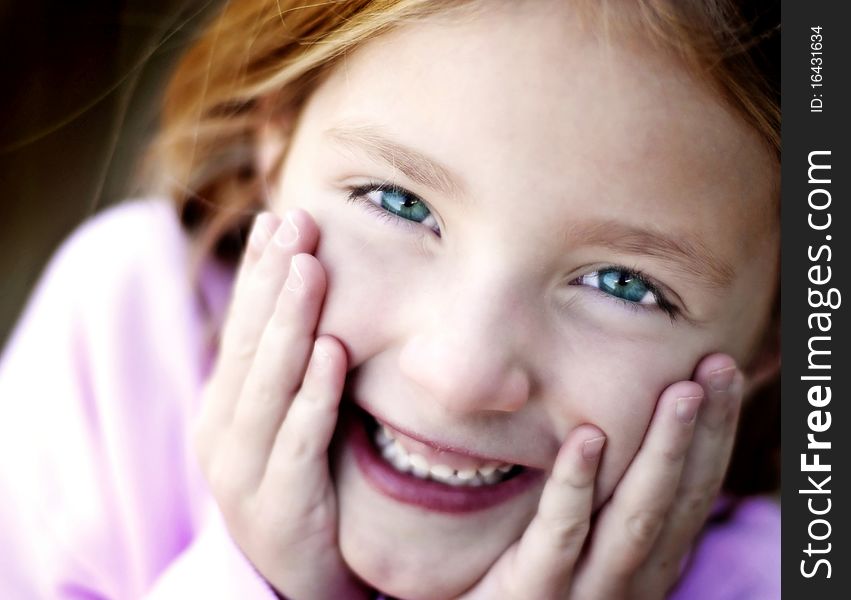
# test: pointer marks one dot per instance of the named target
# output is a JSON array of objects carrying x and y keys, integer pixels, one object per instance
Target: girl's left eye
[
  {"x": 396, "y": 201},
  {"x": 627, "y": 285}
]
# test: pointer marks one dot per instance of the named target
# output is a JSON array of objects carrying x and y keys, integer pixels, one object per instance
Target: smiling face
[{"x": 525, "y": 228}]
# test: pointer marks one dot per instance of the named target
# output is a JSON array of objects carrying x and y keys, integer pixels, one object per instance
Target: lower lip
[{"x": 425, "y": 493}]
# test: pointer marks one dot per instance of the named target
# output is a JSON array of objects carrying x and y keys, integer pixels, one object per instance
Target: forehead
[{"x": 526, "y": 101}]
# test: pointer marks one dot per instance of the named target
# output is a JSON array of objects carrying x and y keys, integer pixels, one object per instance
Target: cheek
[
  {"x": 350, "y": 306},
  {"x": 367, "y": 283},
  {"x": 615, "y": 384},
  {"x": 373, "y": 273}
]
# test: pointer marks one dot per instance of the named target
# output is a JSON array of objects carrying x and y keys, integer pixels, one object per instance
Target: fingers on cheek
[
  {"x": 568, "y": 494},
  {"x": 549, "y": 548},
  {"x": 287, "y": 339},
  {"x": 631, "y": 522},
  {"x": 673, "y": 429},
  {"x": 578, "y": 459},
  {"x": 704, "y": 466},
  {"x": 278, "y": 370},
  {"x": 309, "y": 426},
  {"x": 326, "y": 371},
  {"x": 317, "y": 402},
  {"x": 735, "y": 402},
  {"x": 295, "y": 233},
  {"x": 256, "y": 290},
  {"x": 648, "y": 490},
  {"x": 723, "y": 383},
  {"x": 302, "y": 293},
  {"x": 264, "y": 227}
]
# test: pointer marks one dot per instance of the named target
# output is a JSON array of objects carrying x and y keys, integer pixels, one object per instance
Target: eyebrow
[
  {"x": 415, "y": 165},
  {"x": 690, "y": 255}
]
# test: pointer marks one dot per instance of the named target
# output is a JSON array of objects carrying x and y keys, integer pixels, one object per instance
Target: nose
[{"x": 471, "y": 359}]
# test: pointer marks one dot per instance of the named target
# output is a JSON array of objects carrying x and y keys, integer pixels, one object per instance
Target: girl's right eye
[{"x": 396, "y": 202}]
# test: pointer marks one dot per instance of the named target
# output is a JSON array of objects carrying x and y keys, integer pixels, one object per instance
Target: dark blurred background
[{"x": 82, "y": 81}]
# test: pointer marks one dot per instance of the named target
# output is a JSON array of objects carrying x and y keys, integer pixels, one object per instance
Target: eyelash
[
  {"x": 662, "y": 302},
  {"x": 357, "y": 195}
]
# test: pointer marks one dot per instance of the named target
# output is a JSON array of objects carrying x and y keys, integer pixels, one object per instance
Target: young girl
[{"x": 513, "y": 273}]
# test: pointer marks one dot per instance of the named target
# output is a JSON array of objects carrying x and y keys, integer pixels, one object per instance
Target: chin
[
  {"x": 426, "y": 546},
  {"x": 406, "y": 556}
]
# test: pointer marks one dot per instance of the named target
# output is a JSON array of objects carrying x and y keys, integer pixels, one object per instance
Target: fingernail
[
  {"x": 687, "y": 408},
  {"x": 287, "y": 233},
  {"x": 721, "y": 379},
  {"x": 294, "y": 279},
  {"x": 261, "y": 231},
  {"x": 591, "y": 448}
]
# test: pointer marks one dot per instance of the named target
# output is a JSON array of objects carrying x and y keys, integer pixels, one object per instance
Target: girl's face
[{"x": 526, "y": 227}]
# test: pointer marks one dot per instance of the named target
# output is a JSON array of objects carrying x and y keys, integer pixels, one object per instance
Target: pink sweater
[{"x": 100, "y": 495}]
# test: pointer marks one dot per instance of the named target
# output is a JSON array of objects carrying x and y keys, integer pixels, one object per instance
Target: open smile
[{"x": 423, "y": 473}]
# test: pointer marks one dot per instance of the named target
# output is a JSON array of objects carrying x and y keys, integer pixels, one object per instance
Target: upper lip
[{"x": 442, "y": 445}]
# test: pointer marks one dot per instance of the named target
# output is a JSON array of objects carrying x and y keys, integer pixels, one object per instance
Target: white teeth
[
  {"x": 419, "y": 466},
  {"x": 401, "y": 462},
  {"x": 395, "y": 454},
  {"x": 418, "y": 462},
  {"x": 466, "y": 474},
  {"x": 442, "y": 472},
  {"x": 390, "y": 451},
  {"x": 383, "y": 437},
  {"x": 492, "y": 477}
]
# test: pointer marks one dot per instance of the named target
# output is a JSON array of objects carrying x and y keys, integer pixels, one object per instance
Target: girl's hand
[
  {"x": 641, "y": 535},
  {"x": 269, "y": 411}
]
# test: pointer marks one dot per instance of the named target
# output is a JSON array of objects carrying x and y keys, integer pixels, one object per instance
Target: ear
[{"x": 765, "y": 366}]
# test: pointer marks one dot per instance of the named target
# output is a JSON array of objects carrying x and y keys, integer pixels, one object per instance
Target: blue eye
[
  {"x": 396, "y": 201},
  {"x": 625, "y": 285},
  {"x": 404, "y": 205},
  {"x": 628, "y": 285}
]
